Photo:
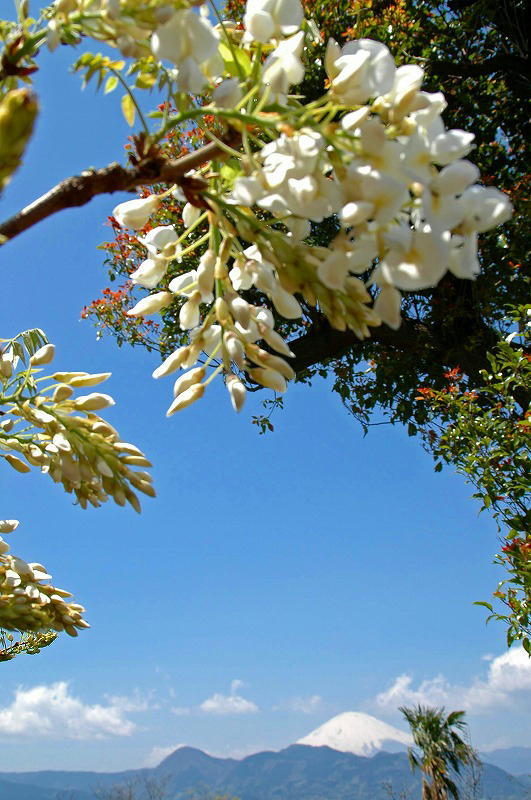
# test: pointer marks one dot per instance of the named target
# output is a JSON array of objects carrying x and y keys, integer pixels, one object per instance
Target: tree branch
[
  {"x": 323, "y": 343},
  {"x": 502, "y": 63},
  {"x": 80, "y": 189}
]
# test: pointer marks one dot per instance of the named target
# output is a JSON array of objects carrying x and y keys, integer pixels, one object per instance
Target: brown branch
[
  {"x": 80, "y": 189},
  {"x": 508, "y": 64},
  {"x": 323, "y": 343}
]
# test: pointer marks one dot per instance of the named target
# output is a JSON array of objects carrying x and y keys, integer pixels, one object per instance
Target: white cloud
[
  {"x": 302, "y": 705},
  {"x": 507, "y": 685},
  {"x": 53, "y": 711},
  {"x": 228, "y": 704},
  {"x": 181, "y": 711},
  {"x": 136, "y": 702},
  {"x": 158, "y": 754},
  {"x": 235, "y": 685},
  {"x": 232, "y": 703}
]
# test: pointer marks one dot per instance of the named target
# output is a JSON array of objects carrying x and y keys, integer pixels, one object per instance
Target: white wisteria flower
[
  {"x": 161, "y": 245},
  {"x": 416, "y": 258},
  {"x": 227, "y": 93},
  {"x": 283, "y": 67},
  {"x": 484, "y": 208},
  {"x": 360, "y": 70},
  {"x": 135, "y": 213},
  {"x": 187, "y": 285},
  {"x": 271, "y": 19},
  {"x": 190, "y": 42}
]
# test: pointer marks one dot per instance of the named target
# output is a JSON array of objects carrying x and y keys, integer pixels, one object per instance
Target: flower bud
[
  {"x": 236, "y": 391},
  {"x": 62, "y": 392},
  {"x": 241, "y": 310},
  {"x": 6, "y": 365},
  {"x": 222, "y": 312},
  {"x": 16, "y": 463},
  {"x": 133, "y": 501},
  {"x": 269, "y": 378},
  {"x": 119, "y": 496},
  {"x": 18, "y": 111},
  {"x": 145, "y": 488},
  {"x": 275, "y": 341},
  {"x": 205, "y": 272},
  {"x": 278, "y": 364},
  {"x": 90, "y": 380},
  {"x": 93, "y": 402},
  {"x": 235, "y": 348},
  {"x": 135, "y": 213},
  {"x": 8, "y": 525},
  {"x": 172, "y": 362},
  {"x": 103, "y": 468},
  {"x": 151, "y": 304},
  {"x": 227, "y": 94},
  {"x": 66, "y": 377},
  {"x": 65, "y": 6},
  {"x": 136, "y": 461},
  {"x": 188, "y": 379},
  {"x": 126, "y": 447},
  {"x": 186, "y": 398},
  {"x": 190, "y": 214},
  {"x": 286, "y": 305},
  {"x": 104, "y": 429},
  {"x": 44, "y": 355}
]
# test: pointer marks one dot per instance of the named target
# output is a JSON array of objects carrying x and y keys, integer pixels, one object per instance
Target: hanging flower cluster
[
  {"x": 124, "y": 24},
  {"x": 28, "y": 602},
  {"x": 373, "y": 152},
  {"x": 59, "y": 432}
]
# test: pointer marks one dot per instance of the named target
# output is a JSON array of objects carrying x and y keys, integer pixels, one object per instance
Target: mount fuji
[{"x": 358, "y": 733}]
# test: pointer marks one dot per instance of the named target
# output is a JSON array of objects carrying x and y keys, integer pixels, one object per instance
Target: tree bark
[{"x": 78, "y": 190}]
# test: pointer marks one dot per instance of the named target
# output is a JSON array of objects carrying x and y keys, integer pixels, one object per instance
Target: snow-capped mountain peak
[{"x": 358, "y": 733}]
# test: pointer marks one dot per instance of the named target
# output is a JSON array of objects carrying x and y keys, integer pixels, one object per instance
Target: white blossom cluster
[
  {"x": 125, "y": 24},
  {"x": 28, "y": 602},
  {"x": 374, "y": 152},
  {"x": 63, "y": 436}
]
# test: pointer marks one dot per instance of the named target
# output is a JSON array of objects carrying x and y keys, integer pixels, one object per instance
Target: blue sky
[{"x": 282, "y": 578}]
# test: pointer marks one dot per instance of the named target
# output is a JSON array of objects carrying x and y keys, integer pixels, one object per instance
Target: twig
[{"x": 80, "y": 189}]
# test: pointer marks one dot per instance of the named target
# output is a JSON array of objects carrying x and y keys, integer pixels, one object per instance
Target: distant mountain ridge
[
  {"x": 299, "y": 772},
  {"x": 347, "y": 757},
  {"x": 515, "y": 760}
]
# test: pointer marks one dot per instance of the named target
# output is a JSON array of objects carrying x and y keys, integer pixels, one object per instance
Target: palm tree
[{"x": 442, "y": 749}]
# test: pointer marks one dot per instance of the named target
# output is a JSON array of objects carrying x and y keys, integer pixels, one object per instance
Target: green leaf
[
  {"x": 145, "y": 80},
  {"x": 229, "y": 173},
  {"x": 483, "y": 603},
  {"x": 110, "y": 84},
  {"x": 242, "y": 59},
  {"x": 128, "y": 109}
]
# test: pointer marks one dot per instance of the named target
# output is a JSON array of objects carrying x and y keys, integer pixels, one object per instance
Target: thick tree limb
[
  {"x": 322, "y": 342},
  {"x": 80, "y": 189},
  {"x": 503, "y": 63}
]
